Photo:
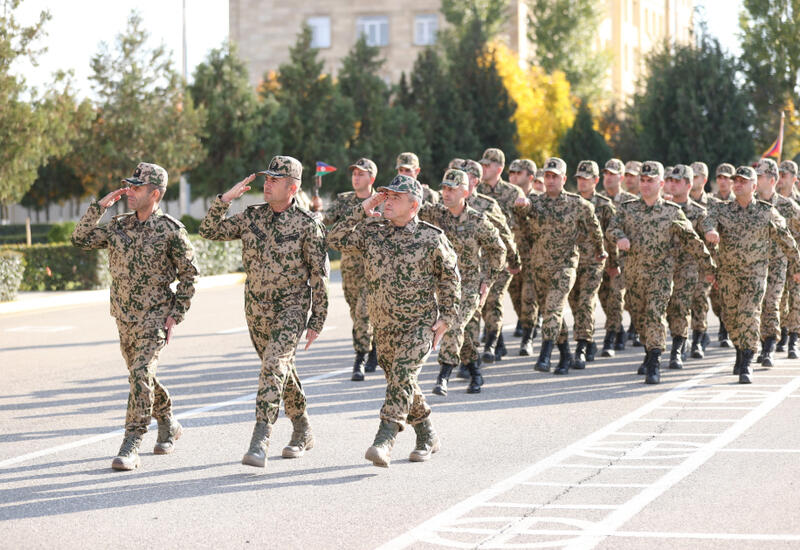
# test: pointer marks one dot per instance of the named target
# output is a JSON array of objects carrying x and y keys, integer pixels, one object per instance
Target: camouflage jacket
[
  {"x": 475, "y": 240},
  {"x": 412, "y": 271},
  {"x": 489, "y": 207},
  {"x": 557, "y": 225},
  {"x": 505, "y": 194},
  {"x": 791, "y": 213},
  {"x": 284, "y": 254},
  {"x": 696, "y": 215},
  {"x": 620, "y": 197},
  {"x": 429, "y": 196},
  {"x": 604, "y": 210},
  {"x": 143, "y": 258},
  {"x": 654, "y": 233},
  {"x": 339, "y": 208}
]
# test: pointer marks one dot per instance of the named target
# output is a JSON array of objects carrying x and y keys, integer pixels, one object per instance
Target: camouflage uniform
[
  {"x": 520, "y": 300},
  {"x": 790, "y": 303},
  {"x": 144, "y": 258},
  {"x": 702, "y": 291}
]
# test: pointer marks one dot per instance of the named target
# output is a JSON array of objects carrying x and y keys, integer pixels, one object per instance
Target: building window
[
  {"x": 320, "y": 31},
  {"x": 425, "y": 27},
  {"x": 374, "y": 29}
]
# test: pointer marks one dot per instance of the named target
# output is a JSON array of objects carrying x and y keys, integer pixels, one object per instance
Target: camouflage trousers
[
  {"x": 523, "y": 296},
  {"x": 648, "y": 292},
  {"x": 700, "y": 305},
  {"x": 457, "y": 337},
  {"x": 742, "y": 295},
  {"x": 583, "y": 299},
  {"x": 493, "y": 308},
  {"x": 716, "y": 302},
  {"x": 552, "y": 290},
  {"x": 770, "y": 309},
  {"x": 401, "y": 353},
  {"x": 275, "y": 329},
  {"x": 790, "y": 306},
  {"x": 679, "y": 309},
  {"x": 355, "y": 294},
  {"x": 147, "y": 396},
  {"x": 612, "y": 296}
]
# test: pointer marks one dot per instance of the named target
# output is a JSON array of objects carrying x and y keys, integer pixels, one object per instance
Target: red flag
[
  {"x": 776, "y": 148},
  {"x": 323, "y": 169}
]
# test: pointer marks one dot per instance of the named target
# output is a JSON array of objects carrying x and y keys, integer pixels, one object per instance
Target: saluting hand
[
  {"x": 372, "y": 203},
  {"x": 112, "y": 197},
  {"x": 239, "y": 189}
]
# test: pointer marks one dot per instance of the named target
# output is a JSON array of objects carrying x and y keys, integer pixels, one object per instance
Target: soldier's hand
[
  {"x": 612, "y": 272},
  {"x": 712, "y": 237},
  {"x": 484, "y": 293},
  {"x": 372, "y": 203},
  {"x": 710, "y": 278},
  {"x": 239, "y": 189},
  {"x": 522, "y": 201},
  {"x": 514, "y": 270},
  {"x": 311, "y": 335},
  {"x": 113, "y": 197},
  {"x": 168, "y": 326},
  {"x": 796, "y": 277},
  {"x": 439, "y": 328},
  {"x": 624, "y": 244}
]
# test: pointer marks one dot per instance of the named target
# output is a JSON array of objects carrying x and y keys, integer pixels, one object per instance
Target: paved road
[{"x": 592, "y": 460}]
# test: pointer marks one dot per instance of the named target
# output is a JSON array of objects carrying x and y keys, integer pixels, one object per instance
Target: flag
[
  {"x": 776, "y": 148},
  {"x": 323, "y": 169}
]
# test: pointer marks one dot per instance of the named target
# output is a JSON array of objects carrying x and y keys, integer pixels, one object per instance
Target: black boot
[
  {"x": 738, "y": 364},
  {"x": 768, "y": 352},
  {"x": 697, "y": 346},
  {"x": 619, "y": 342},
  {"x": 760, "y": 356},
  {"x": 675, "y": 359},
  {"x": 358, "y": 367},
  {"x": 500, "y": 350},
  {"x": 724, "y": 339},
  {"x": 653, "y": 369},
  {"x": 705, "y": 340},
  {"x": 580, "y": 355},
  {"x": 791, "y": 347},
  {"x": 643, "y": 366},
  {"x": 476, "y": 380},
  {"x": 745, "y": 370},
  {"x": 441, "y": 381},
  {"x": 489, "y": 349},
  {"x": 591, "y": 351},
  {"x": 372, "y": 360},
  {"x": 608, "y": 345},
  {"x": 463, "y": 371},
  {"x": 782, "y": 342},
  {"x": 526, "y": 344},
  {"x": 565, "y": 360},
  {"x": 518, "y": 329},
  {"x": 543, "y": 363},
  {"x": 631, "y": 332},
  {"x": 637, "y": 343}
]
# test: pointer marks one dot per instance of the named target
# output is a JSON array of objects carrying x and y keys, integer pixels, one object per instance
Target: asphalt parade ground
[{"x": 594, "y": 459}]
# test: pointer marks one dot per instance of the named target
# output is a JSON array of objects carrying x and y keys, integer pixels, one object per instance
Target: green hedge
[
  {"x": 12, "y": 267},
  {"x": 217, "y": 257},
  {"x": 60, "y": 232},
  {"x": 15, "y": 233}
]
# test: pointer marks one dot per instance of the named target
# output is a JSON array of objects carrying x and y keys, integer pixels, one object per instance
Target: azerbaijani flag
[
  {"x": 777, "y": 146},
  {"x": 323, "y": 169}
]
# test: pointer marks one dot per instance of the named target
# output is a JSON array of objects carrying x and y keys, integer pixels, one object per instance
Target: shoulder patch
[
  {"x": 431, "y": 226},
  {"x": 174, "y": 220}
]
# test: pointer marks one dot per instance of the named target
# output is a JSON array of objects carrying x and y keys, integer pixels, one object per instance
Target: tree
[
  {"x": 564, "y": 32},
  {"x": 583, "y": 142}
]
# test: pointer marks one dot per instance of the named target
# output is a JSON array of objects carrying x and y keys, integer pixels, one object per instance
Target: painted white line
[
  {"x": 606, "y": 466},
  {"x": 709, "y": 408},
  {"x": 759, "y": 450},
  {"x": 621, "y": 534},
  {"x": 579, "y": 484},
  {"x": 676, "y": 434},
  {"x": 688, "y": 419},
  {"x": 194, "y": 412}
]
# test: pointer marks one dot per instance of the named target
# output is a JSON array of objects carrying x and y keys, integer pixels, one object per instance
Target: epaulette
[
  {"x": 474, "y": 213},
  {"x": 426, "y": 224},
  {"x": 308, "y": 213},
  {"x": 569, "y": 194},
  {"x": 697, "y": 204},
  {"x": 629, "y": 201},
  {"x": 602, "y": 198},
  {"x": 675, "y": 204},
  {"x": 256, "y": 206},
  {"x": 345, "y": 194},
  {"x": 765, "y": 203},
  {"x": 175, "y": 221},
  {"x": 487, "y": 198},
  {"x": 119, "y": 217}
]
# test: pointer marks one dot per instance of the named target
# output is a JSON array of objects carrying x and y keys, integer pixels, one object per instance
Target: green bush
[
  {"x": 191, "y": 223},
  {"x": 63, "y": 267},
  {"x": 12, "y": 267},
  {"x": 15, "y": 233},
  {"x": 60, "y": 232},
  {"x": 217, "y": 257}
]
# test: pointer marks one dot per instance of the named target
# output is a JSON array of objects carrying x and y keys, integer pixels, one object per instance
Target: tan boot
[
  {"x": 302, "y": 438},
  {"x": 381, "y": 451},
  {"x": 257, "y": 454},
  {"x": 169, "y": 431},
  {"x": 427, "y": 442},
  {"x": 128, "y": 456}
]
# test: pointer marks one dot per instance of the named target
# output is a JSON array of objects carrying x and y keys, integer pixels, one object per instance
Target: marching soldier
[
  {"x": 790, "y": 303},
  {"x": 521, "y": 173},
  {"x": 724, "y": 181}
]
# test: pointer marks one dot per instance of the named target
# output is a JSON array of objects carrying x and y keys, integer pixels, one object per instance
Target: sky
[{"x": 78, "y": 26}]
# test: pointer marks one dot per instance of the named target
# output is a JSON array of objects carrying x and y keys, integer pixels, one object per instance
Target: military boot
[
  {"x": 128, "y": 456},
  {"x": 169, "y": 431},
  {"x": 427, "y": 442},
  {"x": 256, "y": 455},
  {"x": 705, "y": 340},
  {"x": 537, "y": 327},
  {"x": 500, "y": 350},
  {"x": 302, "y": 439},
  {"x": 526, "y": 344},
  {"x": 791, "y": 346},
  {"x": 722, "y": 336},
  {"x": 475, "y": 380},
  {"x": 697, "y": 346},
  {"x": 636, "y": 341},
  {"x": 565, "y": 360},
  {"x": 543, "y": 363},
  {"x": 653, "y": 369},
  {"x": 518, "y": 329},
  {"x": 782, "y": 342},
  {"x": 643, "y": 367},
  {"x": 745, "y": 370},
  {"x": 441, "y": 381},
  {"x": 631, "y": 331},
  {"x": 463, "y": 371},
  {"x": 489, "y": 347},
  {"x": 591, "y": 351},
  {"x": 580, "y": 355},
  {"x": 372, "y": 360},
  {"x": 608, "y": 345},
  {"x": 358, "y": 366},
  {"x": 768, "y": 350},
  {"x": 738, "y": 364},
  {"x": 619, "y": 342},
  {"x": 675, "y": 355},
  {"x": 381, "y": 451}
]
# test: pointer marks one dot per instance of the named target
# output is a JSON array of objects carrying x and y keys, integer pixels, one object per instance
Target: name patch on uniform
[
  {"x": 285, "y": 238},
  {"x": 257, "y": 232},
  {"x": 124, "y": 236}
]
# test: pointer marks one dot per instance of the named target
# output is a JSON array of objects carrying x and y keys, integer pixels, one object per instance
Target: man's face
[
  {"x": 611, "y": 182},
  {"x": 553, "y": 183},
  {"x": 678, "y": 188},
  {"x": 399, "y": 206},
  {"x": 410, "y": 172},
  {"x": 473, "y": 181},
  {"x": 724, "y": 184},
  {"x": 787, "y": 181},
  {"x": 698, "y": 182},
  {"x": 650, "y": 186},
  {"x": 361, "y": 180},
  {"x": 765, "y": 184},
  {"x": 521, "y": 178},
  {"x": 279, "y": 190},
  {"x": 538, "y": 185},
  {"x": 586, "y": 185},
  {"x": 453, "y": 197},
  {"x": 632, "y": 183},
  {"x": 140, "y": 196},
  {"x": 743, "y": 188},
  {"x": 491, "y": 170}
]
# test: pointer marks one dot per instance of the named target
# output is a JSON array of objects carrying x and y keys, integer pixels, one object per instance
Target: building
[{"x": 265, "y": 29}]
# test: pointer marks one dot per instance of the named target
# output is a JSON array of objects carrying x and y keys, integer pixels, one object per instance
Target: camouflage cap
[
  {"x": 726, "y": 170},
  {"x": 633, "y": 167},
  {"x": 407, "y": 160},
  {"x": 473, "y": 168},
  {"x": 284, "y": 167},
  {"x": 539, "y": 175},
  {"x": 555, "y": 165},
  {"x": 788, "y": 166},
  {"x": 681, "y": 172},
  {"x": 366, "y": 165},
  {"x": 456, "y": 163},
  {"x": 587, "y": 169},
  {"x": 405, "y": 184},
  {"x": 767, "y": 166},
  {"x": 147, "y": 173},
  {"x": 746, "y": 172},
  {"x": 667, "y": 170},
  {"x": 455, "y": 178},
  {"x": 653, "y": 169},
  {"x": 523, "y": 164},
  {"x": 700, "y": 168},
  {"x": 614, "y": 166},
  {"x": 493, "y": 155}
]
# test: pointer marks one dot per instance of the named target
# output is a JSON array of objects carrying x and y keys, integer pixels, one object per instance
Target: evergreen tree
[{"x": 583, "y": 142}]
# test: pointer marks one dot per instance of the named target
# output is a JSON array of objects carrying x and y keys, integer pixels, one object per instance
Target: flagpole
[{"x": 780, "y": 138}]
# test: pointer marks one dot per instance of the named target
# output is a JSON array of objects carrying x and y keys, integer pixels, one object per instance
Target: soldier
[
  {"x": 492, "y": 185},
  {"x": 408, "y": 165},
  {"x": 724, "y": 180},
  {"x": 745, "y": 229},
  {"x": 286, "y": 260},
  {"x": 632, "y": 173},
  {"x": 147, "y": 251},
  {"x": 686, "y": 273},
  {"x": 612, "y": 290},
  {"x": 362, "y": 176},
  {"x": 559, "y": 220},
  {"x": 538, "y": 181},
  {"x": 589, "y": 275},
  {"x": 649, "y": 228},
  {"x": 521, "y": 173},
  {"x": 475, "y": 241},
  {"x": 767, "y": 174},
  {"x": 790, "y": 303},
  {"x": 414, "y": 289}
]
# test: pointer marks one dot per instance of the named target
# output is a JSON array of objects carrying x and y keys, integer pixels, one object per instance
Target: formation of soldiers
[{"x": 422, "y": 268}]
